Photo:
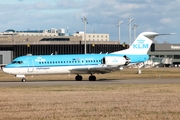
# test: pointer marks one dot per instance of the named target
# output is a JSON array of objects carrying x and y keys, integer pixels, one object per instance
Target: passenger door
[{"x": 30, "y": 65}]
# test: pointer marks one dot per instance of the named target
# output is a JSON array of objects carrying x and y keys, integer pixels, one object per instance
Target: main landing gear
[
  {"x": 78, "y": 78},
  {"x": 91, "y": 78}
]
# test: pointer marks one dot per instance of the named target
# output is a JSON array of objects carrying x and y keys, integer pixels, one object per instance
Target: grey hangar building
[{"x": 15, "y": 44}]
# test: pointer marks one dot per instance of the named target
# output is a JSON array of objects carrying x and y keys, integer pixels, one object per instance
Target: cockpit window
[
  {"x": 17, "y": 62},
  {"x": 13, "y": 62}
]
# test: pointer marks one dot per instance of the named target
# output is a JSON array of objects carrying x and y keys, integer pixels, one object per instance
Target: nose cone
[{"x": 6, "y": 70}]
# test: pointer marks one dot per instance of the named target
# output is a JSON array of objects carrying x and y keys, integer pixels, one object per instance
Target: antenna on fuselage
[{"x": 29, "y": 55}]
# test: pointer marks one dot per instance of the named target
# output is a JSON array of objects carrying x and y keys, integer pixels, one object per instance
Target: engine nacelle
[{"x": 115, "y": 60}]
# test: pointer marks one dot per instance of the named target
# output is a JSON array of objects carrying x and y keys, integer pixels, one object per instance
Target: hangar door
[
  {"x": 30, "y": 65},
  {"x": 1, "y": 59}
]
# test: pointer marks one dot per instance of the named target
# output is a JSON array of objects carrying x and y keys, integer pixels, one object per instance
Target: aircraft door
[{"x": 30, "y": 65}]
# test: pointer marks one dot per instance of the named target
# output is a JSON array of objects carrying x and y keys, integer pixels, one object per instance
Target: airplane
[{"x": 83, "y": 63}]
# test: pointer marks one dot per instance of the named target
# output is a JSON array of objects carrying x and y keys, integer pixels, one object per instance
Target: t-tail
[{"x": 141, "y": 44}]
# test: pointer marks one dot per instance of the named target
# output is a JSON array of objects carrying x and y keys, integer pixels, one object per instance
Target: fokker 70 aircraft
[{"x": 82, "y": 63}]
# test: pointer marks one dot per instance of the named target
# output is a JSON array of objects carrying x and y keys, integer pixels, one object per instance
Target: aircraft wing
[{"x": 92, "y": 70}]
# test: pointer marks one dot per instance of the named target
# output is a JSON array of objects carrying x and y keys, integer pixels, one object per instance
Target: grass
[
  {"x": 105, "y": 102},
  {"x": 123, "y": 101}
]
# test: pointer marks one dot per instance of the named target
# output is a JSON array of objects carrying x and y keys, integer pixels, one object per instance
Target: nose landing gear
[{"x": 23, "y": 79}]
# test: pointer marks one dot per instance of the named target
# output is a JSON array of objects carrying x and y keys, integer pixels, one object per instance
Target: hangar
[
  {"x": 169, "y": 52},
  {"x": 58, "y": 47},
  {"x": 53, "y": 41}
]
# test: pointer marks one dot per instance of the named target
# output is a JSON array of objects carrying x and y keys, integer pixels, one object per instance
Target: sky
[{"x": 161, "y": 16}]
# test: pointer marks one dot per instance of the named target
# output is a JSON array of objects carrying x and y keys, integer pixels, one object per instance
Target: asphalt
[{"x": 99, "y": 82}]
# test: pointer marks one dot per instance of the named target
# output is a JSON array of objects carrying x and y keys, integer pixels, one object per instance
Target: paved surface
[{"x": 99, "y": 82}]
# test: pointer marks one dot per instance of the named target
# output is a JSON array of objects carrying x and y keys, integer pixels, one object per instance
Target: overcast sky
[{"x": 162, "y": 16}]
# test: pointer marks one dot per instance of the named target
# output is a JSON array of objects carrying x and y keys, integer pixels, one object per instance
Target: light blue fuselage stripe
[{"x": 76, "y": 60}]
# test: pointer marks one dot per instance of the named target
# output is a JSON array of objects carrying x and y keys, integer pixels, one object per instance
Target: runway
[{"x": 89, "y": 83}]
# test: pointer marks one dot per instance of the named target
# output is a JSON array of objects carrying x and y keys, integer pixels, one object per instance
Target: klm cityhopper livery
[{"x": 82, "y": 63}]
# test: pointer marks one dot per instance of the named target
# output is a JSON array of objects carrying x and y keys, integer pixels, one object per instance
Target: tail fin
[{"x": 141, "y": 45}]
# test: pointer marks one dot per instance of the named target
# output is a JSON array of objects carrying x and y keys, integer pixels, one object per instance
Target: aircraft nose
[{"x": 5, "y": 70}]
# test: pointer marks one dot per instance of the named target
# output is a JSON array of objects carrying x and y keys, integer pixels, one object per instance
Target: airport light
[
  {"x": 134, "y": 28},
  {"x": 119, "y": 24},
  {"x": 130, "y": 20},
  {"x": 84, "y": 20}
]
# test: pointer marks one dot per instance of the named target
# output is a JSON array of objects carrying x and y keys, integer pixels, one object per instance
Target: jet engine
[{"x": 115, "y": 60}]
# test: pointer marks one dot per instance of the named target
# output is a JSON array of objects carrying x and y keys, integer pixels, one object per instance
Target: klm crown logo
[{"x": 140, "y": 44}]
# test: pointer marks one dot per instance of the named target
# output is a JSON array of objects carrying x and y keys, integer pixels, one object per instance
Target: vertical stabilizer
[{"x": 141, "y": 45}]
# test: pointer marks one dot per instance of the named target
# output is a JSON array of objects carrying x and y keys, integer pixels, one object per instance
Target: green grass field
[{"x": 116, "y": 102}]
